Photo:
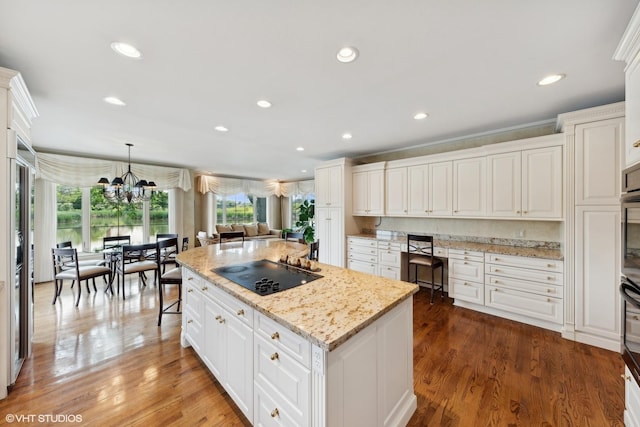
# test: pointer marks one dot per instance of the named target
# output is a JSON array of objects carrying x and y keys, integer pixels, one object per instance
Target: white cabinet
[
  {"x": 469, "y": 184},
  {"x": 542, "y": 183},
  {"x": 531, "y": 287},
  {"x": 629, "y": 51},
  {"x": 329, "y": 230},
  {"x": 389, "y": 259},
  {"x": 525, "y": 184},
  {"x": 193, "y": 310},
  {"x": 466, "y": 275},
  {"x": 430, "y": 189},
  {"x": 362, "y": 255},
  {"x": 417, "y": 193},
  {"x": 597, "y": 276},
  {"x": 329, "y": 182},
  {"x": 597, "y": 162},
  {"x": 631, "y": 400},
  {"x": 396, "y": 192},
  {"x": 368, "y": 190}
]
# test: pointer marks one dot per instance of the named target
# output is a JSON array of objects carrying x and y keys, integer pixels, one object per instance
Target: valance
[
  {"x": 229, "y": 186},
  {"x": 85, "y": 172}
]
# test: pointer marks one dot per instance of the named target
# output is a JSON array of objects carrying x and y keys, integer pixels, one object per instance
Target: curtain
[
  {"x": 44, "y": 229},
  {"x": 84, "y": 172},
  {"x": 228, "y": 186}
]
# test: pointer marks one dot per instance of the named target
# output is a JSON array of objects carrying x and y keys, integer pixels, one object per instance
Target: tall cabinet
[
  {"x": 595, "y": 138},
  {"x": 334, "y": 210}
]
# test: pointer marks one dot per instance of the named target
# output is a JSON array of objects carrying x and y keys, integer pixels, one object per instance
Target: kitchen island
[{"x": 336, "y": 351}]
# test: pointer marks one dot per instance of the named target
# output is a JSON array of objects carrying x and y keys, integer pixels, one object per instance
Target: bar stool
[{"x": 422, "y": 255}]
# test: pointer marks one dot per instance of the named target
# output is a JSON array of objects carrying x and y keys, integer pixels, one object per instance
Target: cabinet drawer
[
  {"x": 389, "y": 272},
  {"x": 551, "y": 289},
  {"x": 363, "y": 257},
  {"x": 364, "y": 243},
  {"x": 633, "y": 330},
  {"x": 284, "y": 339},
  {"x": 550, "y": 265},
  {"x": 272, "y": 411},
  {"x": 524, "y": 303},
  {"x": 441, "y": 252},
  {"x": 190, "y": 277},
  {"x": 192, "y": 329},
  {"x": 466, "y": 255},
  {"x": 526, "y": 274},
  {"x": 466, "y": 270},
  {"x": 389, "y": 257},
  {"x": 192, "y": 300},
  {"x": 389, "y": 246},
  {"x": 362, "y": 266},
  {"x": 237, "y": 308},
  {"x": 278, "y": 373},
  {"x": 466, "y": 290},
  {"x": 365, "y": 250}
]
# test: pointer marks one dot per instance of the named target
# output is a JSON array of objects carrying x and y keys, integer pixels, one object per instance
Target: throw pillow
[
  {"x": 237, "y": 227},
  {"x": 263, "y": 228},
  {"x": 251, "y": 230},
  {"x": 223, "y": 228}
]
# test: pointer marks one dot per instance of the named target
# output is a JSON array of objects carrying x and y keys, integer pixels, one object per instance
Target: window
[
  {"x": 296, "y": 200},
  {"x": 159, "y": 213},
  {"x": 240, "y": 208},
  {"x": 69, "y": 215}
]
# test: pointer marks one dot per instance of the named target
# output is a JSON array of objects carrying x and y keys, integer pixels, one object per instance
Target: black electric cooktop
[{"x": 266, "y": 277}]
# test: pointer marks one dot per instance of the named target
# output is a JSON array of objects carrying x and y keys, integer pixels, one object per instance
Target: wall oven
[{"x": 630, "y": 278}]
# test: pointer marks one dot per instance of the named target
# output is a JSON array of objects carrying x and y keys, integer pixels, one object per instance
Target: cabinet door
[
  {"x": 360, "y": 193},
  {"x": 376, "y": 193},
  {"x": 417, "y": 193},
  {"x": 597, "y": 274},
  {"x": 504, "y": 185},
  {"x": 632, "y": 112},
  {"x": 440, "y": 196},
  {"x": 329, "y": 183},
  {"x": 598, "y": 162},
  {"x": 469, "y": 183},
  {"x": 542, "y": 183},
  {"x": 214, "y": 354},
  {"x": 363, "y": 266},
  {"x": 331, "y": 236},
  {"x": 396, "y": 192},
  {"x": 239, "y": 363}
]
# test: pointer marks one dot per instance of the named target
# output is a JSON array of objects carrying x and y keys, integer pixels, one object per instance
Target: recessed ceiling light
[
  {"x": 263, "y": 103},
  {"x": 303, "y": 171},
  {"x": 347, "y": 54},
  {"x": 126, "y": 49},
  {"x": 347, "y": 135},
  {"x": 300, "y": 148},
  {"x": 420, "y": 116},
  {"x": 551, "y": 79},
  {"x": 221, "y": 128},
  {"x": 114, "y": 101}
]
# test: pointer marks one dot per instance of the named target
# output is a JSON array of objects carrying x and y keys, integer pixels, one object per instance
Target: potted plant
[{"x": 305, "y": 223}]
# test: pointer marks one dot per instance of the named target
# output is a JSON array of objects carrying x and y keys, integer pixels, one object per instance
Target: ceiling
[{"x": 471, "y": 65}]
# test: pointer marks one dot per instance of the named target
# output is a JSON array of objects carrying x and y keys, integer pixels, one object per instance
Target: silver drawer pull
[
  {"x": 204, "y": 288},
  {"x": 275, "y": 413},
  {"x": 275, "y": 336},
  {"x": 275, "y": 356},
  {"x": 240, "y": 312},
  {"x": 551, "y": 265},
  {"x": 190, "y": 290},
  {"x": 551, "y": 278},
  {"x": 190, "y": 278},
  {"x": 189, "y": 321}
]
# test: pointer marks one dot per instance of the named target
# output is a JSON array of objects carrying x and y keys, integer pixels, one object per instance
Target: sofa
[{"x": 259, "y": 231}]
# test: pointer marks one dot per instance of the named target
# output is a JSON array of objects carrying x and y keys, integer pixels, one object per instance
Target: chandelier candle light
[{"x": 127, "y": 188}]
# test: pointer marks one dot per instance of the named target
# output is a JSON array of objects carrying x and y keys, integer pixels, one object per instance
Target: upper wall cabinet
[
  {"x": 469, "y": 187},
  {"x": 368, "y": 189},
  {"x": 329, "y": 186},
  {"x": 397, "y": 192},
  {"x": 440, "y": 193},
  {"x": 525, "y": 184}
]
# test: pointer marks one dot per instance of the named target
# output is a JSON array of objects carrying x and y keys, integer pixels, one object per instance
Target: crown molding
[
  {"x": 603, "y": 112},
  {"x": 12, "y": 80}
]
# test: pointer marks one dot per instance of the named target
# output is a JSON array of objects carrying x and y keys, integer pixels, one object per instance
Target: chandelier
[{"x": 128, "y": 187}]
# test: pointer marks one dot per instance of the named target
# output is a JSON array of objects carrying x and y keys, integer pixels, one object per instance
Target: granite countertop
[
  {"x": 327, "y": 311},
  {"x": 530, "y": 250}
]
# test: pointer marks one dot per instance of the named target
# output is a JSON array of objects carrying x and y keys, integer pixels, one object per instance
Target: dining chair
[
  {"x": 422, "y": 255},
  {"x": 185, "y": 243},
  {"x": 171, "y": 277},
  {"x": 81, "y": 262},
  {"x": 66, "y": 267},
  {"x": 314, "y": 250},
  {"x": 134, "y": 259}
]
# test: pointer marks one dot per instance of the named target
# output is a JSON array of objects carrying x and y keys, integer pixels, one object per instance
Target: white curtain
[
  {"x": 228, "y": 186},
  {"x": 84, "y": 172},
  {"x": 44, "y": 229}
]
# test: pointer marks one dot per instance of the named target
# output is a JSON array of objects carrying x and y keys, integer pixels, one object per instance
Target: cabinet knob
[
  {"x": 426, "y": 211},
  {"x": 548, "y": 299},
  {"x": 466, "y": 284},
  {"x": 551, "y": 265},
  {"x": 240, "y": 312},
  {"x": 497, "y": 282},
  {"x": 275, "y": 356},
  {"x": 635, "y": 317},
  {"x": 275, "y": 336},
  {"x": 190, "y": 278},
  {"x": 524, "y": 212},
  {"x": 636, "y": 144},
  {"x": 517, "y": 211},
  {"x": 625, "y": 377},
  {"x": 189, "y": 321},
  {"x": 455, "y": 211},
  {"x": 275, "y": 413},
  {"x": 405, "y": 211},
  {"x": 204, "y": 288},
  {"x": 190, "y": 290},
  {"x": 551, "y": 278},
  {"x": 549, "y": 291},
  {"x": 218, "y": 317}
]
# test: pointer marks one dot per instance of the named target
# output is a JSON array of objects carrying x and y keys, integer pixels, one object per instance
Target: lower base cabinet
[
  {"x": 278, "y": 378},
  {"x": 631, "y": 400}
]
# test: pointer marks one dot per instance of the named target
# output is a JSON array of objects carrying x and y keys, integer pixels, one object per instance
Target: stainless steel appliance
[{"x": 266, "y": 277}]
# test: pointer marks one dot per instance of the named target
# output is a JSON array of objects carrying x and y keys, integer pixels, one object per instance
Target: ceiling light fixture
[
  {"x": 300, "y": 148},
  {"x": 125, "y": 49},
  {"x": 263, "y": 103},
  {"x": 347, "y": 136},
  {"x": 420, "y": 116},
  {"x": 221, "y": 128},
  {"x": 128, "y": 187},
  {"x": 347, "y": 54},
  {"x": 114, "y": 101},
  {"x": 550, "y": 79},
  {"x": 303, "y": 171}
]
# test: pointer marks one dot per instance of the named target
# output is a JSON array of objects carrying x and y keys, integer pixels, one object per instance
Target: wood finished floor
[{"x": 109, "y": 363}]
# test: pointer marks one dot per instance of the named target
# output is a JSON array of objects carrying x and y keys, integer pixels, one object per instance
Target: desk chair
[
  {"x": 422, "y": 255},
  {"x": 66, "y": 267},
  {"x": 135, "y": 260},
  {"x": 171, "y": 277}
]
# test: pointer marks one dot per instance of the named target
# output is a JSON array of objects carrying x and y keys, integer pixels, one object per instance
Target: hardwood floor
[{"x": 108, "y": 363}]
